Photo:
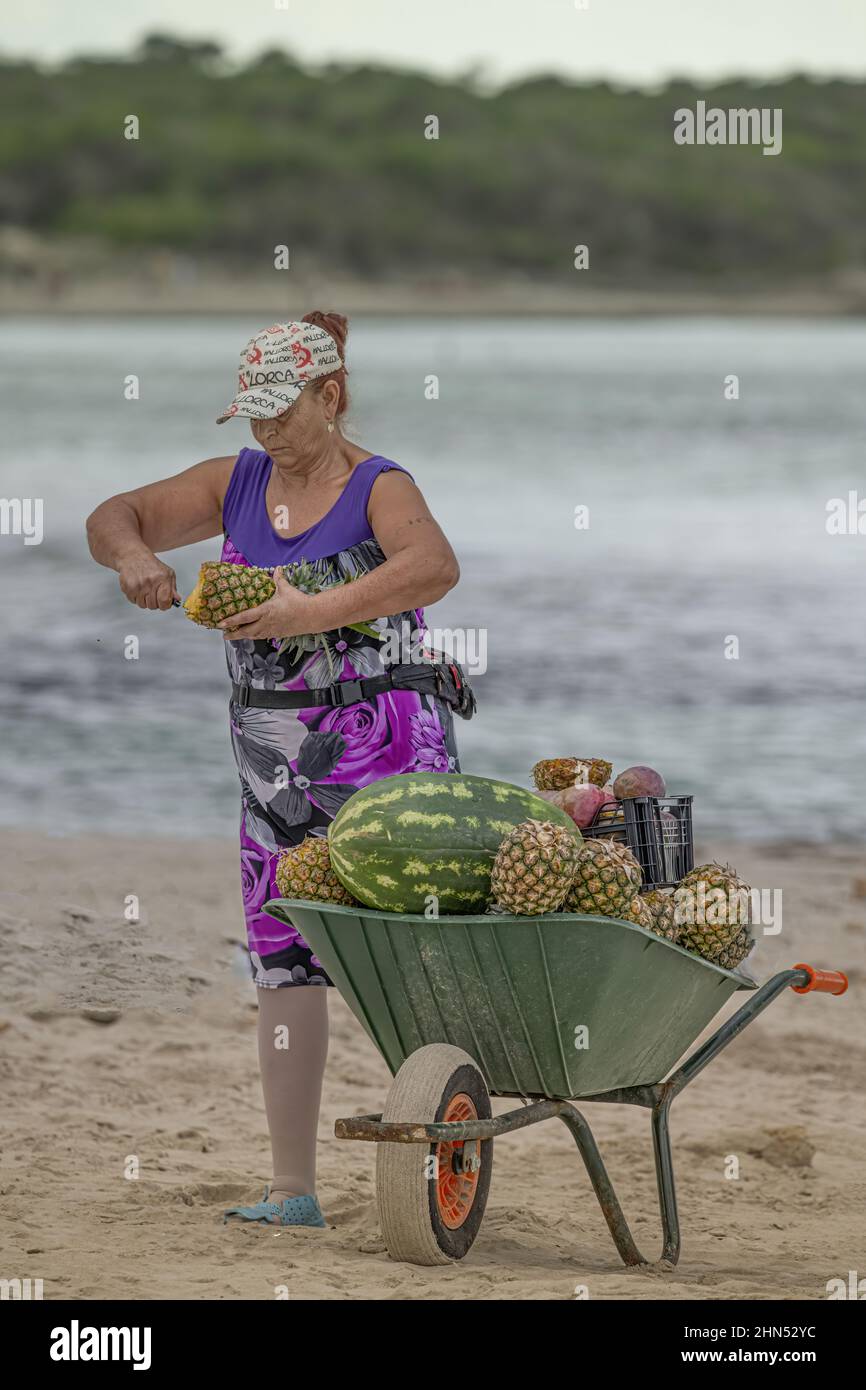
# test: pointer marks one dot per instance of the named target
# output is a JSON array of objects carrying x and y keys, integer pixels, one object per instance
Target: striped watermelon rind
[{"x": 417, "y": 836}]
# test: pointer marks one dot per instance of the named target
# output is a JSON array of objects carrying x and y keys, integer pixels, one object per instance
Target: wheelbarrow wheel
[{"x": 431, "y": 1200}]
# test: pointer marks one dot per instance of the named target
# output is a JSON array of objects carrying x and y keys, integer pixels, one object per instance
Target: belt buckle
[
  {"x": 243, "y": 696},
  {"x": 341, "y": 691}
]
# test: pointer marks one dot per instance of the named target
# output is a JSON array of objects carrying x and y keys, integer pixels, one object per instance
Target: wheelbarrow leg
[
  {"x": 665, "y": 1182},
  {"x": 607, "y": 1198},
  {"x": 603, "y": 1187},
  {"x": 658, "y": 1099}
]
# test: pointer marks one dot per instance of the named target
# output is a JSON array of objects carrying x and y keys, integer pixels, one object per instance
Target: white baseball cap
[{"x": 276, "y": 365}]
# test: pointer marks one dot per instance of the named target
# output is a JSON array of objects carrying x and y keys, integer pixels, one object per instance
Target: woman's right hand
[
  {"x": 124, "y": 532},
  {"x": 147, "y": 582}
]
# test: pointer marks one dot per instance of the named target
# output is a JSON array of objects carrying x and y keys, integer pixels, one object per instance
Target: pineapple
[
  {"x": 304, "y": 871},
  {"x": 639, "y": 911},
  {"x": 736, "y": 953},
  {"x": 606, "y": 880},
  {"x": 224, "y": 589},
  {"x": 665, "y": 923},
  {"x": 712, "y": 906},
  {"x": 555, "y": 774},
  {"x": 534, "y": 867}
]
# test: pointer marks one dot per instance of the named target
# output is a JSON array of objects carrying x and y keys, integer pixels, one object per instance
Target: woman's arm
[
  {"x": 124, "y": 532},
  {"x": 419, "y": 568}
]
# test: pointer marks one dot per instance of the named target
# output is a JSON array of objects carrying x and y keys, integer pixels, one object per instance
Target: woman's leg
[{"x": 293, "y": 1047}]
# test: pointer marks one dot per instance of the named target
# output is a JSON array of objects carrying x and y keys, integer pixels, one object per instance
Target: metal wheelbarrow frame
[{"x": 505, "y": 994}]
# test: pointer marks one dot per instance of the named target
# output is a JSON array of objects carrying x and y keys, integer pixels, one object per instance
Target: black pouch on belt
[{"x": 455, "y": 689}]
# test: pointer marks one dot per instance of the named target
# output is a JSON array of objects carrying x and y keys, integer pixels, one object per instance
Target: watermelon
[{"x": 406, "y": 838}]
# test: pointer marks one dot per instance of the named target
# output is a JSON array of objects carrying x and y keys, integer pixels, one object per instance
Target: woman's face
[{"x": 302, "y": 430}]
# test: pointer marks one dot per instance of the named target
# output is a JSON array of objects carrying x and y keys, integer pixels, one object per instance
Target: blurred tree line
[{"x": 233, "y": 160}]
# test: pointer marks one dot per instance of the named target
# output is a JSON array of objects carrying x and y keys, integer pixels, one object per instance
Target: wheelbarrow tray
[{"x": 560, "y": 1006}]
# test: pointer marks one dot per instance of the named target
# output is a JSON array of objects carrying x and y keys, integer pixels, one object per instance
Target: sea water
[{"x": 647, "y": 558}]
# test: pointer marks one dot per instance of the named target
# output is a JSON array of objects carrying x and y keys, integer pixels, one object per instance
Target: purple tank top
[{"x": 248, "y": 525}]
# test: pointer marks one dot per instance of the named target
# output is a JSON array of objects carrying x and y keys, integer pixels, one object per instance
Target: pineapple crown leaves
[
  {"x": 713, "y": 878},
  {"x": 612, "y": 850},
  {"x": 712, "y": 870},
  {"x": 533, "y": 825},
  {"x": 544, "y": 835},
  {"x": 308, "y": 578}
]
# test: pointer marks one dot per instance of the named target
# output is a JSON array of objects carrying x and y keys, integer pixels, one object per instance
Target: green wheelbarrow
[{"x": 545, "y": 1009}]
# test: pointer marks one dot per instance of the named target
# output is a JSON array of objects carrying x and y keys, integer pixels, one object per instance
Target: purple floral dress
[{"x": 298, "y": 767}]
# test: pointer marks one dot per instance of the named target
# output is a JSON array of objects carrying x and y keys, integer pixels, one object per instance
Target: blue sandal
[{"x": 291, "y": 1211}]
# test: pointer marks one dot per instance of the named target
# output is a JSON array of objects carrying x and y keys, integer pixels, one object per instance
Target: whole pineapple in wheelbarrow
[
  {"x": 713, "y": 910},
  {"x": 534, "y": 868},
  {"x": 607, "y": 878},
  {"x": 304, "y": 871}
]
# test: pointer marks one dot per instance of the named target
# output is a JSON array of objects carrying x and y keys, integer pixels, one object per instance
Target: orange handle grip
[{"x": 824, "y": 981}]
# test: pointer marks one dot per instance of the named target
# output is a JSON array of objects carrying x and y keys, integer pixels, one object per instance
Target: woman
[{"x": 307, "y": 493}]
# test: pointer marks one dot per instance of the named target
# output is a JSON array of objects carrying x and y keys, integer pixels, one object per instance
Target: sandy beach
[
  {"x": 130, "y": 1048},
  {"x": 153, "y": 285}
]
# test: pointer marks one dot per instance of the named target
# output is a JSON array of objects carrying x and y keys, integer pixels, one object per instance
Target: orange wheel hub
[{"x": 456, "y": 1188}]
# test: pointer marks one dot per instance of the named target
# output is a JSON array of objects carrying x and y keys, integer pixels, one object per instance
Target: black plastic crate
[{"x": 657, "y": 830}]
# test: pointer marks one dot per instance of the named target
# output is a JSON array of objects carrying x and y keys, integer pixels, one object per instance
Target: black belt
[{"x": 425, "y": 679}]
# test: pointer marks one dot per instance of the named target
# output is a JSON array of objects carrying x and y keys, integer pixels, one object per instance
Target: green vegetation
[{"x": 232, "y": 161}]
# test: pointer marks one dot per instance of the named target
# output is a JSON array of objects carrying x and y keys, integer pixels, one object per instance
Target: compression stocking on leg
[{"x": 293, "y": 1047}]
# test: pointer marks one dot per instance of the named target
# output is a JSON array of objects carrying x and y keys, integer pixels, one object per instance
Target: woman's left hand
[{"x": 289, "y": 613}]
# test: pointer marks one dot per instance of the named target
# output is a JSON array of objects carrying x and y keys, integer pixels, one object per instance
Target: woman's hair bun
[{"x": 335, "y": 324}]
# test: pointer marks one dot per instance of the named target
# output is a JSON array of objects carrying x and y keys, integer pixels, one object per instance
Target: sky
[{"x": 632, "y": 41}]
